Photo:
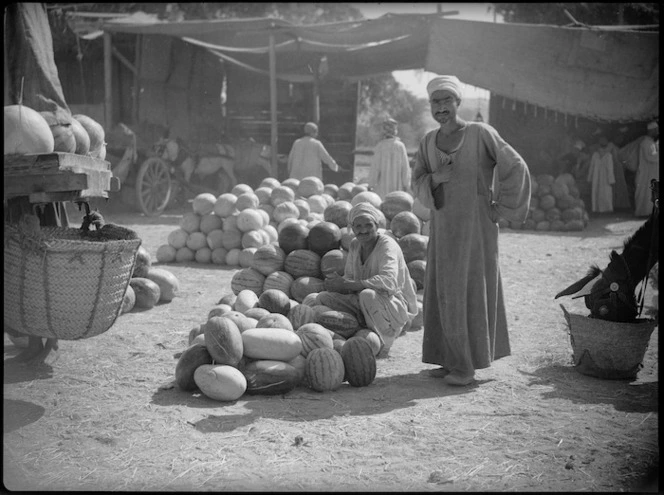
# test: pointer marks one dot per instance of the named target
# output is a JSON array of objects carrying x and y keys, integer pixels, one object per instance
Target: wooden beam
[
  {"x": 137, "y": 78},
  {"x": 29, "y": 184},
  {"x": 273, "y": 107},
  {"x": 316, "y": 95},
  {"x": 108, "y": 87},
  {"x": 123, "y": 59}
]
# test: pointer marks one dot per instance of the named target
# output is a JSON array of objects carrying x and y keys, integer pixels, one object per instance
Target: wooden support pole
[
  {"x": 137, "y": 78},
  {"x": 316, "y": 95},
  {"x": 273, "y": 107},
  {"x": 108, "y": 97}
]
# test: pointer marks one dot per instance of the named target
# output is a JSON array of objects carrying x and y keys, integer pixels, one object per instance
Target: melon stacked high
[
  {"x": 555, "y": 205},
  {"x": 231, "y": 229},
  {"x": 284, "y": 337}
]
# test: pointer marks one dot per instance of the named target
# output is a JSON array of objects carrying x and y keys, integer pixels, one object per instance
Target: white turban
[
  {"x": 365, "y": 209},
  {"x": 447, "y": 83},
  {"x": 652, "y": 125}
]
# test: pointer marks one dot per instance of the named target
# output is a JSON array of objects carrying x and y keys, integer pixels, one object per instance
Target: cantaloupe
[{"x": 203, "y": 203}]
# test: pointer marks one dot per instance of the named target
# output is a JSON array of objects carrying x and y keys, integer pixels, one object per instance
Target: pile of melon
[
  {"x": 270, "y": 345},
  {"x": 235, "y": 228},
  {"x": 555, "y": 205},
  {"x": 149, "y": 284},
  {"x": 27, "y": 131}
]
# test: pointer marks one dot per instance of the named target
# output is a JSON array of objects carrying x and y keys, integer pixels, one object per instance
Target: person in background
[
  {"x": 307, "y": 154},
  {"x": 621, "y": 196},
  {"x": 390, "y": 170},
  {"x": 647, "y": 170},
  {"x": 601, "y": 178},
  {"x": 465, "y": 322},
  {"x": 568, "y": 162},
  {"x": 376, "y": 286}
]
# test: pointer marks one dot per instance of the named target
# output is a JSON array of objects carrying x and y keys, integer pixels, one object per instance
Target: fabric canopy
[{"x": 598, "y": 73}]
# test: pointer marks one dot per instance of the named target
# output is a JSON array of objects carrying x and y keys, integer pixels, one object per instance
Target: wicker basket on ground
[
  {"x": 58, "y": 285},
  {"x": 608, "y": 349}
]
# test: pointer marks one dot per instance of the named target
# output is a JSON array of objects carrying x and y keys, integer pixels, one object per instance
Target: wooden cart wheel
[{"x": 153, "y": 186}]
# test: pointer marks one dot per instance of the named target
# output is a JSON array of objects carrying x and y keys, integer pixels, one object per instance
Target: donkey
[{"x": 609, "y": 293}]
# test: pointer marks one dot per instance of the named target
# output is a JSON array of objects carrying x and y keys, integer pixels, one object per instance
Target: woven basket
[
  {"x": 59, "y": 286},
  {"x": 608, "y": 349}
]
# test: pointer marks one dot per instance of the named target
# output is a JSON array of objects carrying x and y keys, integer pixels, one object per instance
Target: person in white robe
[
  {"x": 390, "y": 170},
  {"x": 376, "y": 286},
  {"x": 601, "y": 177},
  {"x": 307, "y": 155},
  {"x": 647, "y": 170},
  {"x": 465, "y": 322}
]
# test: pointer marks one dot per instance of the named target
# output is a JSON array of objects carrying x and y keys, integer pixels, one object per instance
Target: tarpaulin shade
[{"x": 602, "y": 74}]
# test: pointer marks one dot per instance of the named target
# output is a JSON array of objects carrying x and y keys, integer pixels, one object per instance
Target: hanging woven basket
[
  {"x": 607, "y": 349},
  {"x": 58, "y": 285}
]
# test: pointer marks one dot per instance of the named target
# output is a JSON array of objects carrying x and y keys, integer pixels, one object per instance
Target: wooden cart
[{"x": 52, "y": 177}]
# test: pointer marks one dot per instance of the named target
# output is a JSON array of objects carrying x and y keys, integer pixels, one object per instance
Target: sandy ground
[{"x": 99, "y": 417}]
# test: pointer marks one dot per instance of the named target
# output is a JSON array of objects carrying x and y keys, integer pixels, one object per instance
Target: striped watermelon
[
  {"x": 275, "y": 301},
  {"x": 324, "y": 370},
  {"x": 339, "y": 322},
  {"x": 301, "y": 315},
  {"x": 313, "y": 336},
  {"x": 337, "y": 213},
  {"x": 395, "y": 202},
  {"x": 279, "y": 280},
  {"x": 269, "y": 259},
  {"x": 303, "y": 286},
  {"x": 248, "y": 278},
  {"x": 359, "y": 362},
  {"x": 333, "y": 261},
  {"x": 303, "y": 263},
  {"x": 223, "y": 340},
  {"x": 324, "y": 237}
]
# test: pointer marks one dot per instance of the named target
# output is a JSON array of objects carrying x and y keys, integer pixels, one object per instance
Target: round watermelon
[
  {"x": 293, "y": 236},
  {"x": 323, "y": 237}
]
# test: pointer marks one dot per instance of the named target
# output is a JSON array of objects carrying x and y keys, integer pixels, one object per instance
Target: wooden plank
[
  {"x": 51, "y": 162},
  {"x": 52, "y": 197},
  {"x": 29, "y": 184},
  {"x": 28, "y": 168}
]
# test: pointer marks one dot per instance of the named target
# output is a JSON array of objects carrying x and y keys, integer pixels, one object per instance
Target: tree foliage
[
  {"x": 381, "y": 96},
  {"x": 594, "y": 14}
]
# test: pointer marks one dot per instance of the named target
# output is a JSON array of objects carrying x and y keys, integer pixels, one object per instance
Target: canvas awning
[{"x": 604, "y": 74}]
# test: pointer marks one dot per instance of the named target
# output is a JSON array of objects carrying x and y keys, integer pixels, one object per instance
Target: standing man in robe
[
  {"x": 647, "y": 170},
  {"x": 465, "y": 323},
  {"x": 307, "y": 155},
  {"x": 390, "y": 170}
]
